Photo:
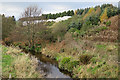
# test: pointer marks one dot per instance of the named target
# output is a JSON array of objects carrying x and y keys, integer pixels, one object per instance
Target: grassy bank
[
  {"x": 86, "y": 59},
  {"x": 16, "y": 64}
]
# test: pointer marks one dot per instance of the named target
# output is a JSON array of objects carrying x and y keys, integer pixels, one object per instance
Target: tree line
[
  {"x": 111, "y": 11},
  {"x": 61, "y": 14}
]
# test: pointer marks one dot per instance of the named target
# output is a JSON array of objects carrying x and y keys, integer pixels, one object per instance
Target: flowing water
[{"x": 50, "y": 67}]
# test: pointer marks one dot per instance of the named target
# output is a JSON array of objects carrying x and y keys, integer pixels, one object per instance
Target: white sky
[
  {"x": 16, "y": 7},
  {"x": 59, "y": 0}
]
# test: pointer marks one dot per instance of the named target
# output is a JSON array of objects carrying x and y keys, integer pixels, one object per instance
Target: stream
[{"x": 50, "y": 67}]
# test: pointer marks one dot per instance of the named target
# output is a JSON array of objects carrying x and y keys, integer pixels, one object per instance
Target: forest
[{"x": 85, "y": 45}]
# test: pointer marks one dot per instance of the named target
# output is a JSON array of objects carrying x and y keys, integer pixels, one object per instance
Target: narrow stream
[{"x": 50, "y": 67}]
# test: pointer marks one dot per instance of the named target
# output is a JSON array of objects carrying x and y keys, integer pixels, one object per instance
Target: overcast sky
[{"x": 16, "y": 8}]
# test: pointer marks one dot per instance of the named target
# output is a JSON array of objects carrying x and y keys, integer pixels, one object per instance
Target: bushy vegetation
[
  {"x": 93, "y": 59},
  {"x": 108, "y": 23},
  {"x": 75, "y": 25},
  {"x": 68, "y": 64}
]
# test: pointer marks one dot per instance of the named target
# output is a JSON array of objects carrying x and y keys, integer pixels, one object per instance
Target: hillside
[
  {"x": 108, "y": 35},
  {"x": 85, "y": 45},
  {"x": 99, "y": 44}
]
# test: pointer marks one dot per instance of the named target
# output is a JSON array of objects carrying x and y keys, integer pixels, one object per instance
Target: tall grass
[{"x": 16, "y": 64}]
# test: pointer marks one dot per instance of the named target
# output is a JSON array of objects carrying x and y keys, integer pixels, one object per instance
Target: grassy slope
[
  {"x": 16, "y": 64},
  {"x": 103, "y": 63},
  {"x": 106, "y": 35}
]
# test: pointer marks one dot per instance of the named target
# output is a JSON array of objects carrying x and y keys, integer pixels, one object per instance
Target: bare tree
[{"x": 29, "y": 15}]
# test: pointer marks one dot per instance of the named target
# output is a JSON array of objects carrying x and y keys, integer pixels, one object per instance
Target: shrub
[
  {"x": 67, "y": 64},
  {"x": 71, "y": 65},
  {"x": 60, "y": 29},
  {"x": 76, "y": 25},
  {"x": 94, "y": 20},
  {"x": 72, "y": 29},
  {"x": 17, "y": 43},
  {"x": 38, "y": 48},
  {"x": 101, "y": 28},
  {"x": 85, "y": 58},
  {"x": 108, "y": 23},
  {"x": 63, "y": 62}
]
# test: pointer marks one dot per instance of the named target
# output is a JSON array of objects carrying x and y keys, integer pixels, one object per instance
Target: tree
[
  {"x": 76, "y": 25},
  {"x": 104, "y": 16},
  {"x": 75, "y": 12},
  {"x": 71, "y": 12},
  {"x": 68, "y": 13},
  {"x": 85, "y": 11},
  {"x": 98, "y": 11},
  {"x": 29, "y": 14},
  {"x": 64, "y": 13},
  {"x": 81, "y": 11},
  {"x": 94, "y": 20},
  {"x": 78, "y": 12},
  {"x": 90, "y": 12},
  {"x": 8, "y": 24},
  {"x": 109, "y": 12}
]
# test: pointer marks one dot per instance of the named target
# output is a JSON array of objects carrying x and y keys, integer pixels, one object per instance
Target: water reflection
[{"x": 50, "y": 67}]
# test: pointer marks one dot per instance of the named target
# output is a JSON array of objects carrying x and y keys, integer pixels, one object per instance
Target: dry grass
[
  {"x": 103, "y": 63},
  {"x": 19, "y": 64}
]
